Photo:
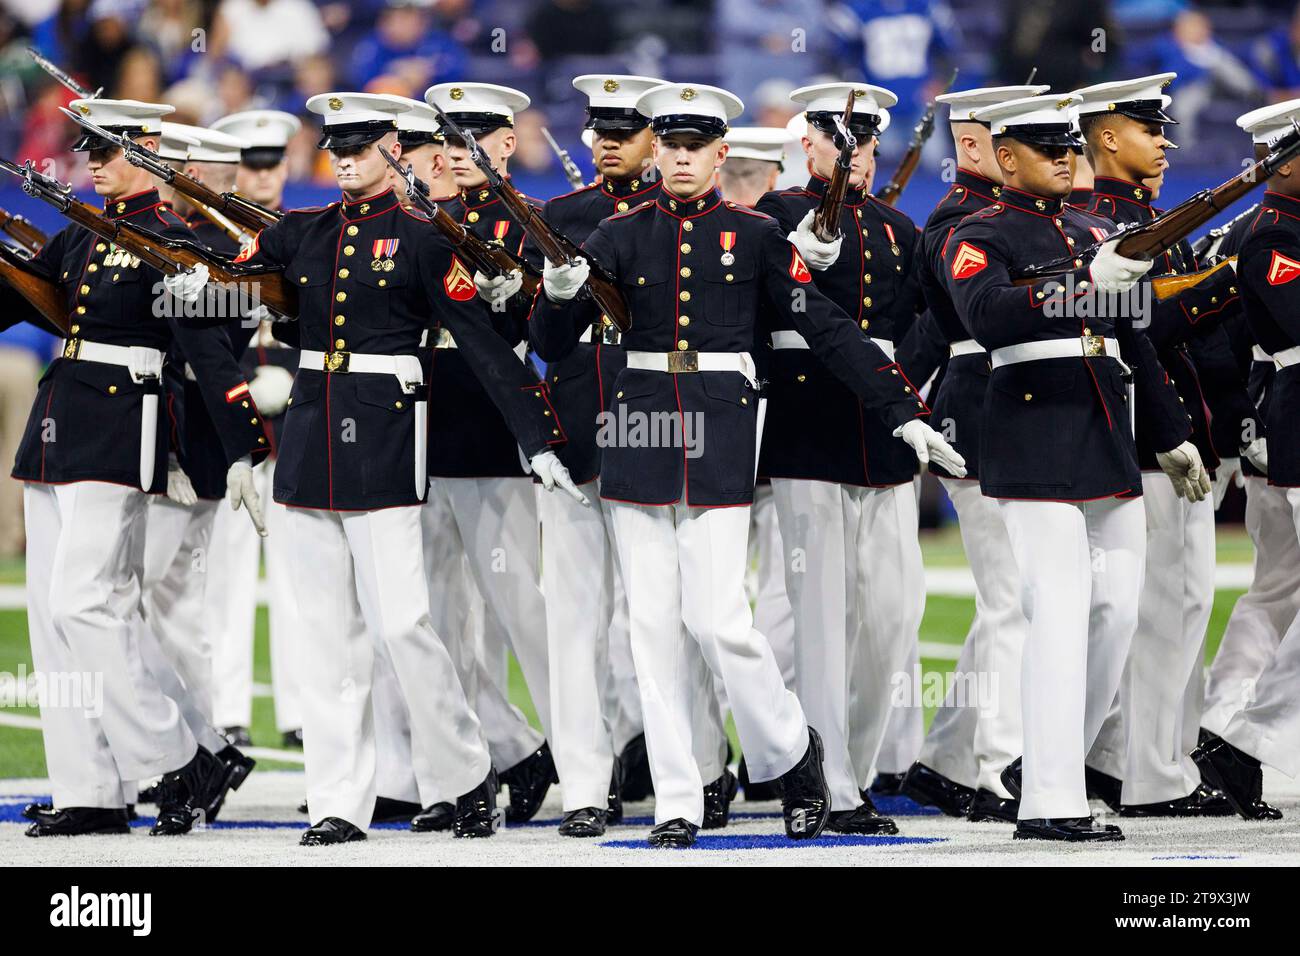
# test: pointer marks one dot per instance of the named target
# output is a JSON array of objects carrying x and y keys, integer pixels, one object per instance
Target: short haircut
[{"x": 749, "y": 172}]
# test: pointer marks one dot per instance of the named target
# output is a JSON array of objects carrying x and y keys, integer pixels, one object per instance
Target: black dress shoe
[
  {"x": 292, "y": 739},
  {"x": 614, "y": 800},
  {"x": 476, "y": 811},
  {"x": 1237, "y": 775},
  {"x": 717, "y": 800},
  {"x": 930, "y": 788},
  {"x": 865, "y": 820},
  {"x": 528, "y": 781},
  {"x": 887, "y": 784},
  {"x": 331, "y": 830},
  {"x": 806, "y": 799},
  {"x": 1201, "y": 802},
  {"x": 767, "y": 790},
  {"x": 1012, "y": 777},
  {"x": 388, "y": 810},
  {"x": 1102, "y": 786},
  {"x": 235, "y": 770},
  {"x": 38, "y": 811},
  {"x": 434, "y": 818},
  {"x": 635, "y": 762},
  {"x": 987, "y": 805},
  {"x": 79, "y": 821},
  {"x": 148, "y": 794},
  {"x": 1067, "y": 829},
  {"x": 587, "y": 822},
  {"x": 237, "y": 736},
  {"x": 184, "y": 795},
  {"x": 675, "y": 834}
]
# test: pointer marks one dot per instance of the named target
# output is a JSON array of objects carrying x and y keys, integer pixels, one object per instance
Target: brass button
[
  {"x": 100, "y": 247},
  {"x": 683, "y": 345},
  {"x": 383, "y": 282},
  {"x": 339, "y": 343},
  {"x": 348, "y": 250},
  {"x": 85, "y": 289},
  {"x": 81, "y": 310},
  {"x": 866, "y": 301},
  {"x": 684, "y": 295},
  {"x": 344, "y": 273},
  {"x": 619, "y": 395},
  {"x": 339, "y": 319},
  {"x": 1078, "y": 263},
  {"x": 864, "y": 233},
  {"x": 92, "y": 268},
  {"x": 1039, "y": 295},
  {"x": 341, "y": 297},
  {"x": 112, "y": 389},
  {"x": 744, "y": 400},
  {"x": 686, "y": 248},
  {"x": 244, "y": 404},
  {"x": 1029, "y": 397},
  {"x": 261, "y": 439},
  {"x": 1195, "y": 310},
  {"x": 867, "y": 278},
  {"x": 353, "y": 230},
  {"x": 640, "y": 280},
  {"x": 801, "y": 377},
  {"x": 1069, "y": 240},
  {"x": 1214, "y": 300},
  {"x": 684, "y": 320},
  {"x": 686, "y": 272},
  {"x": 866, "y": 253},
  {"x": 252, "y": 421},
  {"x": 555, "y": 431},
  {"x": 621, "y": 207},
  {"x": 864, "y": 323},
  {"x": 1232, "y": 289},
  {"x": 729, "y": 277},
  {"x": 472, "y": 217},
  {"x": 302, "y": 279},
  {"x": 75, "y": 329},
  {"x": 397, "y": 404},
  {"x": 688, "y": 225},
  {"x": 546, "y": 412},
  {"x": 893, "y": 371},
  {"x": 907, "y": 389},
  {"x": 1087, "y": 331},
  {"x": 290, "y": 401}
]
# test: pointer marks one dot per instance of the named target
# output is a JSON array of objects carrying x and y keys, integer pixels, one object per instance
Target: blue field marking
[
  {"x": 1201, "y": 856},
  {"x": 773, "y": 841}
]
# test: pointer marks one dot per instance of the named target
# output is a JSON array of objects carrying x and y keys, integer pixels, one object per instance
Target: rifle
[
  {"x": 826, "y": 221},
  {"x": 22, "y": 232},
  {"x": 555, "y": 247},
  {"x": 168, "y": 256},
  {"x": 42, "y": 293},
  {"x": 486, "y": 257},
  {"x": 239, "y": 211},
  {"x": 911, "y": 159},
  {"x": 571, "y": 170},
  {"x": 1208, "y": 244},
  {"x": 63, "y": 77},
  {"x": 1154, "y": 238}
]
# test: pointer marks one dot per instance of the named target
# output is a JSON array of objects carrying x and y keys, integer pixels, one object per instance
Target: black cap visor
[
  {"x": 860, "y": 124},
  {"x": 352, "y": 135},
  {"x": 613, "y": 117},
  {"x": 90, "y": 141},
  {"x": 261, "y": 157},
  {"x": 1041, "y": 134},
  {"x": 709, "y": 126}
]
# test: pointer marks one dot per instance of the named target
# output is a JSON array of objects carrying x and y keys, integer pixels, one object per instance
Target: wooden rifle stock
[
  {"x": 22, "y": 232},
  {"x": 42, "y": 293}
]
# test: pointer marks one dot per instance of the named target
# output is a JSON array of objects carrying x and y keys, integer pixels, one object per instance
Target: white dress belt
[
  {"x": 680, "y": 362},
  {"x": 143, "y": 364},
  {"x": 1287, "y": 357},
  {"x": 1257, "y": 354},
  {"x": 610, "y": 337},
  {"x": 446, "y": 340},
  {"x": 965, "y": 347},
  {"x": 790, "y": 339},
  {"x": 406, "y": 368},
  {"x": 1087, "y": 346}
]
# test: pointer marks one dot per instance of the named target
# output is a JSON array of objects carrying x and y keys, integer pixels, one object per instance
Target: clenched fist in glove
[
  {"x": 188, "y": 285},
  {"x": 1257, "y": 454},
  {"x": 548, "y": 467},
  {"x": 819, "y": 255},
  {"x": 1184, "y": 468},
  {"x": 498, "y": 290},
  {"x": 562, "y": 282},
  {"x": 930, "y": 446},
  {"x": 242, "y": 489},
  {"x": 179, "y": 488},
  {"x": 1227, "y": 474},
  {"x": 1111, "y": 272},
  {"x": 270, "y": 389}
]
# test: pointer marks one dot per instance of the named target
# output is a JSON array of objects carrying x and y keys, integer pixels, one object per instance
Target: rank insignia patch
[
  {"x": 968, "y": 261},
  {"x": 798, "y": 268},
  {"x": 1282, "y": 269},
  {"x": 458, "y": 282}
]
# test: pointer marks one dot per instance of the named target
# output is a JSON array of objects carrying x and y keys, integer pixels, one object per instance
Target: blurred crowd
[{"x": 213, "y": 57}]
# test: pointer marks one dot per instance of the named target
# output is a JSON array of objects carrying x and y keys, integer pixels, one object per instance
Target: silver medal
[{"x": 728, "y": 259}]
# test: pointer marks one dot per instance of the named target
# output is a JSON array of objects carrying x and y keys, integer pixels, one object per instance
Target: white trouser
[
  {"x": 1261, "y": 615},
  {"x": 622, "y": 697},
  {"x": 905, "y": 729},
  {"x": 1268, "y": 728},
  {"x": 110, "y": 722},
  {"x": 1081, "y": 567},
  {"x": 395, "y": 776},
  {"x": 174, "y": 635},
  {"x": 685, "y": 565},
  {"x": 765, "y": 582},
  {"x": 969, "y": 741},
  {"x": 231, "y": 607},
  {"x": 367, "y": 583},
  {"x": 459, "y": 549},
  {"x": 1152, "y": 727}
]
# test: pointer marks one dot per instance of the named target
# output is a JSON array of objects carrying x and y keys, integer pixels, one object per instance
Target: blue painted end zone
[{"x": 772, "y": 841}]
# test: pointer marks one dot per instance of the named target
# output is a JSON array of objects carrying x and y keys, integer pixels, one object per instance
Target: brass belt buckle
[
  {"x": 1093, "y": 346},
  {"x": 445, "y": 341},
  {"x": 683, "y": 362},
  {"x": 337, "y": 361},
  {"x": 73, "y": 349}
]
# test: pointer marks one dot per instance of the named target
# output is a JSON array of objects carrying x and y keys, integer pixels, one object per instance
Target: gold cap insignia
[
  {"x": 688, "y": 93},
  {"x": 262, "y": 121},
  {"x": 971, "y": 114},
  {"x": 84, "y": 109},
  {"x": 611, "y": 86},
  {"x": 1062, "y": 104},
  {"x": 1110, "y": 107},
  {"x": 1165, "y": 83},
  {"x": 457, "y": 93},
  {"x": 859, "y": 93},
  {"x": 336, "y": 104},
  {"x": 1002, "y": 129},
  {"x": 144, "y": 127}
]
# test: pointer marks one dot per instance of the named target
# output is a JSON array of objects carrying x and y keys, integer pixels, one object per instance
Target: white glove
[
  {"x": 1184, "y": 468},
  {"x": 257, "y": 316},
  {"x": 1229, "y": 469},
  {"x": 1257, "y": 454},
  {"x": 819, "y": 255},
  {"x": 499, "y": 289},
  {"x": 1111, "y": 272},
  {"x": 187, "y": 286},
  {"x": 562, "y": 282},
  {"x": 270, "y": 389},
  {"x": 929, "y": 446},
  {"x": 548, "y": 467},
  {"x": 179, "y": 488},
  {"x": 243, "y": 490}
]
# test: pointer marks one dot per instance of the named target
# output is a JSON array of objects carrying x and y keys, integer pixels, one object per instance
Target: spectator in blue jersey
[
  {"x": 406, "y": 46},
  {"x": 1276, "y": 60},
  {"x": 1205, "y": 69}
]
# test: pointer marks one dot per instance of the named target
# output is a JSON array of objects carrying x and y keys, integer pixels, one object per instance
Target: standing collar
[
  {"x": 629, "y": 188},
  {"x": 1283, "y": 203},
  {"x": 853, "y": 196},
  {"x": 971, "y": 181},
  {"x": 130, "y": 205},
  {"x": 1014, "y": 198},
  {"x": 1135, "y": 193},
  {"x": 688, "y": 208},
  {"x": 371, "y": 205}
]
